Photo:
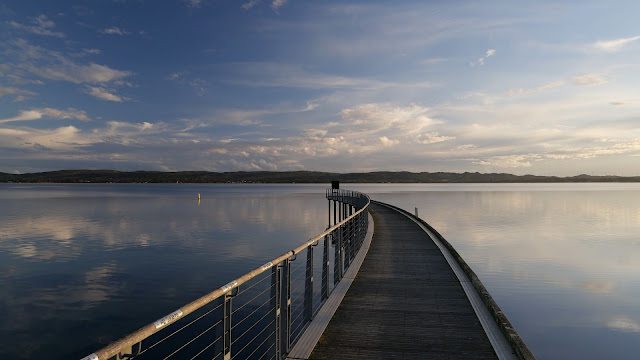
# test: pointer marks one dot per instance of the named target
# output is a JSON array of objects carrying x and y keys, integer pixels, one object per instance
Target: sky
[{"x": 543, "y": 87}]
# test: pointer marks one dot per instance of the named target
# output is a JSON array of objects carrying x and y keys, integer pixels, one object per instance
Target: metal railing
[{"x": 261, "y": 314}]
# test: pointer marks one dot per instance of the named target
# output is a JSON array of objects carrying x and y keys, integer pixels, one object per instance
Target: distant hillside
[{"x": 112, "y": 176}]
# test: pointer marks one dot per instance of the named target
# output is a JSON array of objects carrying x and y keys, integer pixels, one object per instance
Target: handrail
[{"x": 358, "y": 200}]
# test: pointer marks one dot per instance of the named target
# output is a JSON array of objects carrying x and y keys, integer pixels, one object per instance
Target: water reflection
[
  {"x": 95, "y": 262},
  {"x": 559, "y": 259}
]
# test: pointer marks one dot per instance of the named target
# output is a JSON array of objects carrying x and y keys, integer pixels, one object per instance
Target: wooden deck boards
[{"x": 405, "y": 303}]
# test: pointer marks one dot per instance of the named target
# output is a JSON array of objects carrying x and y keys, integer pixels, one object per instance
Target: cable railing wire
[
  {"x": 249, "y": 329},
  {"x": 262, "y": 343},
  {"x": 253, "y": 312},
  {"x": 255, "y": 297},
  {"x": 192, "y": 340},
  {"x": 255, "y": 337},
  {"x": 182, "y": 328},
  {"x": 207, "y": 347}
]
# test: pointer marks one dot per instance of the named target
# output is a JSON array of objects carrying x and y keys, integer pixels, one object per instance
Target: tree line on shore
[{"x": 113, "y": 176}]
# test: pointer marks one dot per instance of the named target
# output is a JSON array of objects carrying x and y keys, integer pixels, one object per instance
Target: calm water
[{"x": 86, "y": 264}]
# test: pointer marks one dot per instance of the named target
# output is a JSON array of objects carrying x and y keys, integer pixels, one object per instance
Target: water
[{"x": 82, "y": 265}]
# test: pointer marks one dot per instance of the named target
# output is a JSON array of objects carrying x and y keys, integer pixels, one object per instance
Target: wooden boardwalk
[{"x": 405, "y": 303}]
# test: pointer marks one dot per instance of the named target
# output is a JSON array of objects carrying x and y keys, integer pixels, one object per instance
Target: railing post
[
  {"x": 308, "y": 286},
  {"x": 324, "y": 292},
  {"x": 285, "y": 304},
  {"x": 226, "y": 350},
  {"x": 347, "y": 244},
  {"x": 337, "y": 266},
  {"x": 276, "y": 306}
]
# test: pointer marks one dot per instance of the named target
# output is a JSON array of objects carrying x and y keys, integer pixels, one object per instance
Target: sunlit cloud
[
  {"x": 508, "y": 161},
  {"x": 104, "y": 94},
  {"x": 40, "y": 25},
  {"x": 481, "y": 61},
  {"x": 250, "y": 4},
  {"x": 549, "y": 85},
  {"x": 19, "y": 93},
  {"x": 433, "y": 138},
  {"x": 36, "y": 114},
  {"x": 615, "y": 45},
  {"x": 114, "y": 31},
  {"x": 589, "y": 79},
  {"x": 53, "y": 65},
  {"x": 277, "y": 4},
  {"x": 388, "y": 142}
]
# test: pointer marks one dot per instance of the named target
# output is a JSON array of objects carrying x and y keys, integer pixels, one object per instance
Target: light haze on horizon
[{"x": 540, "y": 88}]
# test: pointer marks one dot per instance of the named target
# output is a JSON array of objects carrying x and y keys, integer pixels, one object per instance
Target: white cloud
[
  {"x": 589, "y": 79},
  {"x": 508, "y": 161},
  {"x": 388, "y": 142},
  {"x": 114, "y": 31},
  {"x": 277, "y": 4},
  {"x": 14, "y": 91},
  {"x": 374, "y": 118},
  {"x": 549, "y": 85},
  {"x": 481, "y": 61},
  {"x": 432, "y": 138},
  {"x": 62, "y": 138},
  {"x": 92, "y": 51},
  {"x": 614, "y": 45},
  {"x": 93, "y": 73},
  {"x": 36, "y": 114},
  {"x": 104, "y": 94},
  {"x": 41, "y": 26},
  {"x": 250, "y": 4},
  {"x": 54, "y": 65}
]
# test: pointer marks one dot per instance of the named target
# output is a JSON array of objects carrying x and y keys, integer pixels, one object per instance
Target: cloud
[
  {"x": 92, "y": 73},
  {"x": 508, "y": 161},
  {"x": 250, "y": 4},
  {"x": 432, "y": 138},
  {"x": 4, "y": 91},
  {"x": 54, "y": 65},
  {"x": 550, "y": 85},
  {"x": 267, "y": 74},
  {"x": 387, "y": 142},
  {"x": 374, "y": 118},
  {"x": 92, "y": 51},
  {"x": 589, "y": 79},
  {"x": 198, "y": 85},
  {"x": 614, "y": 45},
  {"x": 114, "y": 31},
  {"x": 481, "y": 61},
  {"x": 277, "y": 4},
  {"x": 41, "y": 26},
  {"x": 36, "y": 114},
  {"x": 104, "y": 94}
]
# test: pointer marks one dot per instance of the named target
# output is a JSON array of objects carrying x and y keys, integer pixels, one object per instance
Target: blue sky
[{"x": 539, "y": 87}]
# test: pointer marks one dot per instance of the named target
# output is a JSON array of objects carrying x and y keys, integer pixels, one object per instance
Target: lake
[{"x": 84, "y": 264}]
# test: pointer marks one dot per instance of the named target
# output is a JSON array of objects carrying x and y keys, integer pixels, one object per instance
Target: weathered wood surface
[{"x": 405, "y": 303}]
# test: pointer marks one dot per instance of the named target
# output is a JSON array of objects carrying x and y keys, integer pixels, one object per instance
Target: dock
[{"x": 406, "y": 302}]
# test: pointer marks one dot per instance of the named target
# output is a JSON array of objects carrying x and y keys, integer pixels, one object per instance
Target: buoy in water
[{"x": 198, "y": 196}]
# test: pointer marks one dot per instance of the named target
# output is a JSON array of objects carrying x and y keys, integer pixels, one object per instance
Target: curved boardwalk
[{"x": 405, "y": 303}]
